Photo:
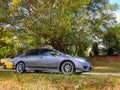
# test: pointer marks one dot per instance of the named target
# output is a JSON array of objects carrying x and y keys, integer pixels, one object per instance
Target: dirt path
[
  {"x": 85, "y": 73},
  {"x": 100, "y": 73}
]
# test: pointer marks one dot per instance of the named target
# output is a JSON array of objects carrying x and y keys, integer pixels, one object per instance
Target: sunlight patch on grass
[
  {"x": 106, "y": 69},
  {"x": 100, "y": 67}
]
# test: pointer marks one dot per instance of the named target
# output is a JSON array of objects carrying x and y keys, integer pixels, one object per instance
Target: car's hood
[
  {"x": 74, "y": 57},
  {"x": 80, "y": 59},
  {"x": 83, "y": 61}
]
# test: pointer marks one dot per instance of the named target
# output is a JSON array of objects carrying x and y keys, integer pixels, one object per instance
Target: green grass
[{"x": 41, "y": 81}]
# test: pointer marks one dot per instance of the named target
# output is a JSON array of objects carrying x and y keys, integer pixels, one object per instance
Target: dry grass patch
[
  {"x": 105, "y": 63},
  {"x": 42, "y": 81}
]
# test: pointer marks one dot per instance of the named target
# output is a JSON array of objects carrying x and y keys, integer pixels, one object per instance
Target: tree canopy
[{"x": 70, "y": 26}]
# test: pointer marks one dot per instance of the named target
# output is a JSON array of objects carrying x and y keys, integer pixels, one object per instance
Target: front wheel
[
  {"x": 37, "y": 71},
  {"x": 20, "y": 68},
  {"x": 68, "y": 67}
]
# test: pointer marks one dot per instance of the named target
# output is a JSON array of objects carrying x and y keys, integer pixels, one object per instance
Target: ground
[
  {"x": 10, "y": 80},
  {"x": 46, "y": 81},
  {"x": 105, "y": 63}
]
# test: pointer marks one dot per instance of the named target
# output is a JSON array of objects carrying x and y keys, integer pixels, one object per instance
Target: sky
[{"x": 118, "y": 10}]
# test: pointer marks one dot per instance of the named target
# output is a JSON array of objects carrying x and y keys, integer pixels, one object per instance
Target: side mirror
[
  {"x": 53, "y": 53},
  {"x": 25, "y": 54},
  {"x": 16, "y": 55}
]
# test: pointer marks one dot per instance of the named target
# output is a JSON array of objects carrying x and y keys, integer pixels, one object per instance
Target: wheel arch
[{"x": 65, "y": 61}]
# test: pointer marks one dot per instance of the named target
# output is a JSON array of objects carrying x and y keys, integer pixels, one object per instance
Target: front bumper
[{"x": 87, "y": 68}]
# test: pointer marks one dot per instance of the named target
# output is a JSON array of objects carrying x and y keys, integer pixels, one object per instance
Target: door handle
[
  {"x": 41, "y": 56},
  {"x": 26, "y": 56}
]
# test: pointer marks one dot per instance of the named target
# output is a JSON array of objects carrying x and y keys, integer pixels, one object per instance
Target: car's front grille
[{"x": 85, "y": 67}]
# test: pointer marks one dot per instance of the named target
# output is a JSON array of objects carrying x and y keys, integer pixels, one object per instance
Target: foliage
[
  {"x": 68, "y": 26},
  {"x": 95, "y": 49},
  {"x": 111, "y": 41}
]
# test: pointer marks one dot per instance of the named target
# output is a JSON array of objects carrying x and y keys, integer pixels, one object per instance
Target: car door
[
  {"x": 47, "y": 60},
  {"x": 31, "y": 58}
]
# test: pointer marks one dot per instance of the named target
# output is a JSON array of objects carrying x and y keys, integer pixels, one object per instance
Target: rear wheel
[
  {"x": 68, "y": 67},
  {"x": 20, "y": 68}
]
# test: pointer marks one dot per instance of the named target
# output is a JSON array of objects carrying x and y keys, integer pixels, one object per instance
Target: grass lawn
[
  {"x": 105, "y": 63},
  {"x": 46, "y": 81}
]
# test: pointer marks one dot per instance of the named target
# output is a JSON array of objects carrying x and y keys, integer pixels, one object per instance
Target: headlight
[{"x": 81, "y": 60}]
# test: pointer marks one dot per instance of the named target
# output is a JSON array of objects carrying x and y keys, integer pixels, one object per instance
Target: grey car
[{"x": 49, "y": 60}]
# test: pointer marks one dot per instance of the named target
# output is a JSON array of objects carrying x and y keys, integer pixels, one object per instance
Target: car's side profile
[{"x": 49, "y": 60}]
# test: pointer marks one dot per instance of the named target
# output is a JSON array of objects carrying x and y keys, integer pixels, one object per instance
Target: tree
[
  {"x": 64, "y": 24},
  {"x": 95, "y": 49},
  {"x": 111, "y": 42},
  {"x": 53, "y": 22},
  {"x": 100, "y": 18}
]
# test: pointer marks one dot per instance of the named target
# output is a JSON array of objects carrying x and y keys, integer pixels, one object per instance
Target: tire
[
  {"x": 20, "y": 68},
  {"x": 37, "y": 71},
  {"x": 78, "y": 73},
  {"x": 67, "y": 67}
]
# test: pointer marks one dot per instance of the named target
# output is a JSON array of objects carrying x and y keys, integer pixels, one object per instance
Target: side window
[
  {"x": 32, "y": 52},
  {"x": 44, "y": 52},
  {"x": 47, "y": 53}
]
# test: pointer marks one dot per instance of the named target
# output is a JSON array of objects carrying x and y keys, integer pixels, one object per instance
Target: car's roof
[
  {"x": 46, "y": 48},
  {"x": 43, "y": 48}
]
